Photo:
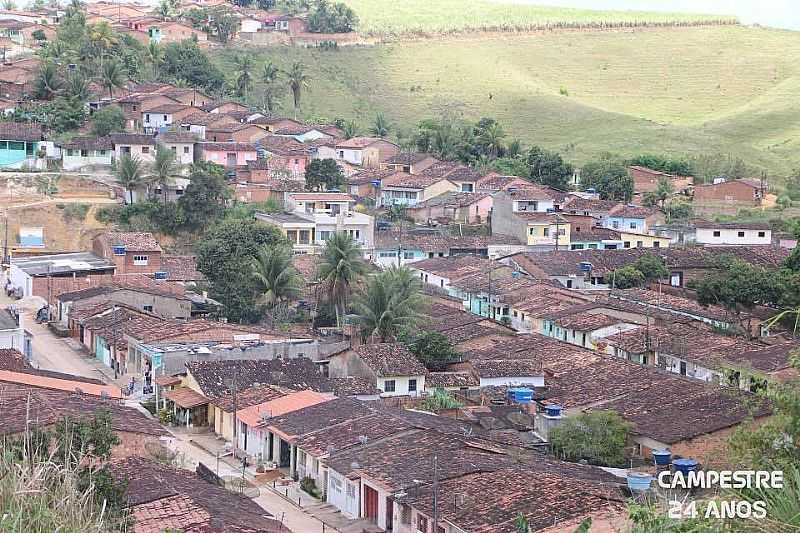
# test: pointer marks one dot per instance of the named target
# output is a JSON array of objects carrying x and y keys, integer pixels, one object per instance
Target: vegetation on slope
[
  {"x": 388, "y": 17},
  {"x": 721, "y": 90}
]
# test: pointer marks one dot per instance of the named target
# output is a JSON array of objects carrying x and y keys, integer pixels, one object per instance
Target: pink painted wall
[{"x": 220, "y": 157}]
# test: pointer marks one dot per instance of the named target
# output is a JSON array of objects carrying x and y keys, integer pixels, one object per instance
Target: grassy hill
[
  {"x": 393, "y": 17},
  {"x": 722, "y": 89}
]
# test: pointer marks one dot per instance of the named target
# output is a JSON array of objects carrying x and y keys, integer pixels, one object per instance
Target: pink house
[
  {"x": 465, "y": 207},
  {"x": 287, "y": 157},
  {"x": 227, "y": 154}
]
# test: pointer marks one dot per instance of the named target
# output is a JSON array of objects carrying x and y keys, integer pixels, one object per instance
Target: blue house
[
  {"x": 633, "y": 218},
  {"x": 19, "y": 143}
]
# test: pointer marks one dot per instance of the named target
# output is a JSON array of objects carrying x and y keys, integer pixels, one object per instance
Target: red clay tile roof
[
  {"x": 451, "y": 199},
  {"x": 390, "y": 359},
  {"x": 13, "y": 360},
  {"x": 450, "y": 380},
  {"x": 410, "y": 181},
  {"x": 181, "y": 268},
  {"x": 132, "y": 139},
  {"x": 88, "y": 143},
  {"x": 359, "y": 142},
  {"x": 20, "y": 131},
  {"x": 227, "y": 146},
  {"x": 134, "y": 242},
  {"x": 185, "y": 397},
  {"x": 407, "y": 158},
  {"x": 286, "y": 146},
  {"x": 252, "y": 415}
]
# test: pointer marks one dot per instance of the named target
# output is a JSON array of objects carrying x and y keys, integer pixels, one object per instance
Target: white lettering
[
  {"x": 777, "y": 479},
  {"x": 711, "y": 510},
  {"x": 759, "y": 510}
]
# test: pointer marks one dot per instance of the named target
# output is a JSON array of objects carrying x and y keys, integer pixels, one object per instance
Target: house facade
[
  {"x": 86, "y": 152},
  {"x": 732, "y": 233}
]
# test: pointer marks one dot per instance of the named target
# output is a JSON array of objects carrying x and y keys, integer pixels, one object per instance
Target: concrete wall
[{"x": 731, "y": 236}]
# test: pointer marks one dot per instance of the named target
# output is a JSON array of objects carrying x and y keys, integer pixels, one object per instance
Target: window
[
  {"x": 546, "y": 232},
  {"x": 762, "y": 234},
  {"x": 336, "y": 484},
  {"x": 147, "y": 118},
  {"x": 386, "y": 254},
  {"x": 717, "y": 233},
  {"x": 84, "y": 153},
  {"x": 165, "y": 117},
  {"x": 145, "y": 149},
  {"x": 351, "y": 491},
  {"x": 125, "y": 149},
  {"x": 148, "y": 308},
  {"x": 639, "y": 244},
  {"x": 185, "y": 149},
  {"x": 562, "y": 231},
  {"x": 741, "y": 234},
  {"x": 615, "y": 224},
  {"x": 683, "y": 368},
  {"x": 70, "y": 152},
  {"x": 405, "y": 514},
  {"x": 341, "y": 154},
  {"x": 532, "y": 231},
  {"x": 140, "y": 260},
  {"x": 408, "y": 255},
  {"x": 627, "y": 244},
  {"x": 578, "y": 229},
  {"x": 412, "y": 385},
  {"x": 632, "y": 225},
  {"x": 656, "y": 244},
  {"x": 389, "y": 385},
  {"x": 422, "y": 523},
  {"x": 174, "y": 149}
]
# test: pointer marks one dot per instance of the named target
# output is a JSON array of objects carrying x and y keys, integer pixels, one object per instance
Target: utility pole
[
  {"x": 6, "y": 258},
  {"x": 435, "y": 492},
  {"x": 557, "y": 232},
  {"x": 233, "y": 387}
]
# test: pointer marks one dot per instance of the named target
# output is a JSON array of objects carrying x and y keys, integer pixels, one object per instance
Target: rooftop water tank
[
  {"x": 520, "y": 395},
  {"x": 552, "y": 410},
  {"x": 585, "y": 266},
  {"x": 639, "y": 481},
  {"x": 684, "y": 465},
  {"x": 118, "y": 250},
  {"x": 662, "y": 457}
]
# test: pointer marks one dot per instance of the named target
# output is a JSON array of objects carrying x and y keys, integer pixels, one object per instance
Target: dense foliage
[
  {"x": 679, "y": 167},
  {"x": 109, "y": 119},
  {"x": 323, "y": 174},
  {"x": 599, "y": 437},
  {"x": 609, "y": 176},
  {"x": 331, "y": 17},
  {"x": 185, "y": 61},
  {"x": 433, "y": 350}
]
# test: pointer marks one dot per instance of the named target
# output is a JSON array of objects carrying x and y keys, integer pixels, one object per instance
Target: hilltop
[{"x": 690, "y": 90}]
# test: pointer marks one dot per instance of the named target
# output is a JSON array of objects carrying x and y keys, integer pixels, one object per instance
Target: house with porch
[{"x": 409, "y": 190}]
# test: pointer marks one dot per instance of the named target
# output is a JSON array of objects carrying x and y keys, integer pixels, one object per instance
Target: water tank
[
  {"x": 118, "y": 250},
  {"x": 585, "y": 266},
  {"x": 159, "y": 275},
  {"x": 552, "y": 410},
  {"x": 684, "y": 465},
  {"x": 662, "y": 457},
  {"x": 520, "y": 395},
  {"x": 639, "y": 481}
]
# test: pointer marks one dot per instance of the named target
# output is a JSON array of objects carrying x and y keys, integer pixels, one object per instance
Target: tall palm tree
[
  {"x": 49, "y": 81},
  {"x": 390, "y": 302},
  {"x": 77, "y": 86},
  {"x": 112, "y": 76},
  {"x": 271, "y": 73},
  {"x": 129, "y": 173},
  {"x": 350, "y": 129},
  {"x": 275, "y": 276},
  {"x": 163, "y": 168},
  {"x": 244, "y": 74},
  {"x": 101, "y": 39},
  {"x": 298, "y": 80},
  {"x": 492, "y": 138},
  {"x": 155, "y": 55},
  {"x": 272, "y": 92},
  {"x": 381, "y": 126},
  {"x": 341, "y": 265}
]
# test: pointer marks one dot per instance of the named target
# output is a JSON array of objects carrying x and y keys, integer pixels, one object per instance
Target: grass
[
  {"x": 390, "y": 17},
  {"x": 722, "y": 89}
]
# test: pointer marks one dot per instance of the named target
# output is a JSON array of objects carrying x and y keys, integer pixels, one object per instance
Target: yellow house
[
  {"x": 642, "y": 240},
  {"x": 545, "y": 229}
]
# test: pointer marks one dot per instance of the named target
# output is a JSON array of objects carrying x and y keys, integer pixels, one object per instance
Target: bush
[
  {"x": 309, "y": 485},
  {"x": 598, "y": 437},
  {"x": 165, "y": 416},
  {"x": 76, "y": 212},
  {"x": 441, "y": 399}
]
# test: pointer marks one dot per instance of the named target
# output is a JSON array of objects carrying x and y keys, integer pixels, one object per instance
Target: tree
[
  {"x": 110, "y": 119},
  {"x": 225, "y": 23},
  {"x": 298, "y": 80},
  {"x": 380, "y": 128},
  {"x": 679, "y": 167},
  {"x": 323, "y": 174},
  {"x": 39, "y": 36},
  {"x": 340, "y": 266},
  {"x": 548, "y": 168},
  {"x": 277, "y": 280},
  {"x": 350, "y": 129},
  {"x": 433, "y": 350},
  {"x": 243, "y": 66},
  {"x": 224, "y": 256},
  {"x": 272, "y": 91},
  {"x": 112, "y": 76},
  {"x": 652, "y": 267},
  {"x": 164, "y": 10},
  {"x": 77, "y": 86},
  {"x": 155, "y": 56},
  {"x": 185, "y": 61},
  {"x": 64, "y": 114},
  {"x": 627, "y": 277},
  {"x": 663, "y": 191},
  {"x": 129, "y": 174},
  {"x": 609, "y": 177},
  {"x": 101, "y": 39},
  {"x": 678, "y": 211},
  {"x": 48, "y": 81},
  {"x": 327, "y": 17},
  {"x": 389, "y": 303},
  {"x": 598, "y": 437},
  {"x": 491, "y": 138},
  {"x": 163, "y": 168},
  {"x": 205, "y": 197}
]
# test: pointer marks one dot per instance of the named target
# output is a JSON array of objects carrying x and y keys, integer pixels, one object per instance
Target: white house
[
  {"x": 86, "y": 152},
  {"x": 181, "y": 143},
  {"x": 249, "y": 25},
  {"x": 411, "y": 189},
  {"x": 163, "y": 116},
  {"x": 732, "y": 233},
  {"x": 12, "y": 332},
  {"x": 396, "y": 371},
  {"x": 134, "y": 145}
]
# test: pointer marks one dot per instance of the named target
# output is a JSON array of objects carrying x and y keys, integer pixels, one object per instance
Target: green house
[{"x": 19, "y": 142}]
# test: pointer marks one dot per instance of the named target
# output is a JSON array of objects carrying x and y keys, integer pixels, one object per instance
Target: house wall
[
  {"x": 545, "y": 234},
  {"x": 638, "y": 240},
  {"x": 16, "y": 153},
  {"x": 220, "y": 157},
  {"x": 14, "y": 338},
  {"x": 386, "y": 257},
  {"x": 93, "y": 158},
  {"x": 184, "y": 152},
  {"x": 636, "y": 225},
  {"x": 732, "y": 236},
  {"x": 294, "y": 165},
  {"x": 145, "y": 153},
  {"x": 344, "y": 494},
  {"x": 438, "y": 188},
  {"x": 401, "y": 384},
  {"x": 729, "y": 192}
]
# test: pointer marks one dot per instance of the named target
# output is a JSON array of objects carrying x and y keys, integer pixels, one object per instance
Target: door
[
  {"x": 231, "y": 160},
  {"x": 284, "y": 459},
  {"x": 370, "y": 504},
  {"x": 389, "y": 512}
]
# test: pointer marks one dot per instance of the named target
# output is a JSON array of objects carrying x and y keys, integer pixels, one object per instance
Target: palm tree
[
  {"x": 272, "y": 91},
  {"x": 390, "y": 302},
  {"x": 380, "y": 128},
  {"x": 275, "y": 276},
  {"x": 112, "y": 76},
  {"x": 155, "y": 56},
  {"x": 101, "y": 38},
  {"x": 492, "y": 138},
  {"x": 271, "y": 73},
  {"x": 350, "y": 129},
  {"x": 49, "y": 81},
  {"x": 129, "y": 173},
  {"x": 244, "y": 74},
  {"x": 163, "y": 168},
  {"x": 164, "y": 9},
  {"x": 298, "y": 80},
  {"x": 341, "y": 265},
  {"x": 77, "y": 86}
]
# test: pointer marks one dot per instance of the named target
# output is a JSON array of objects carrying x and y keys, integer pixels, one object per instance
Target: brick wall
[{"x": 710, "y": 449}]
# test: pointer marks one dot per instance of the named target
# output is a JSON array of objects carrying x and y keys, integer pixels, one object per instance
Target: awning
[
  {"x": 167, "y": 380},
  {"x": 185, "y": 397}
]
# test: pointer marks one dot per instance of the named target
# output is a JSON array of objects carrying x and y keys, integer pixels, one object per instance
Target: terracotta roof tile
[{"x": 390, "y": 359}]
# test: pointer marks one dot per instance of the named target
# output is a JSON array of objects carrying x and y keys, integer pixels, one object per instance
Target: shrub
[
  {"x": 598, "y": 437},
  {"x": 563, "y": 91},
  {"x": 309, "y": 485},
  {"x": 76, "y": 212}
]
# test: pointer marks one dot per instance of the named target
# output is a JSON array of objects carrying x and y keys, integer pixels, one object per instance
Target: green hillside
[
  {"x": 730, "y": 90},
  {"x": 391, "y": 17}
]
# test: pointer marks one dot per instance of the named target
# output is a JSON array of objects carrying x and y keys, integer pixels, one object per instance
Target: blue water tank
[
  {"x": 520, "y": 395},
  {"x": 118, "y": 250},
  {"x": 552, "y": 410},
  {"x": 684, "y": 465},
  {"x": 585, "y": 266},
  {"x": 639, "y": 481},
  {"x": 159, "y": 275},
  {"x": 662, "y": 457}
]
